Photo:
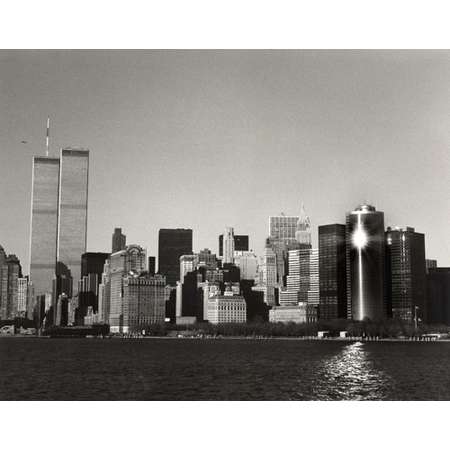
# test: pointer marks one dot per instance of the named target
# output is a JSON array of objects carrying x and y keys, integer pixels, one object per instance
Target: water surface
[{"x": 235, "y": 369}]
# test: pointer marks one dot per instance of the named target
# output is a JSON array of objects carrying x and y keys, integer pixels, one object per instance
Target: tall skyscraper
[
  {"x": 104, "y": 294},
  {"x": 44, "y": 223},
  {"x": 303, "y": 230},
  {"x": 151, "y": 265},
  {"x": 173, "y": 243},
  {"x": 58, "y": 217},
  {"x": 267, "y": 275},
  {"x": 92, "y": 265},
  {"x": 288, "y": 233},
  {"x": 93, "y": 262},
  {"x": 430, "y": 264},
  {"x": 309, "y": 270},
  {"x": 130, "y": 261},
  {"x": 406, "y": 273},
  {"x": 365, "y": 251},
  {"x": 143, "y": 302},
  {"x": 207, "y": 259},
  {"x": 119, "y": 240},
  {"x": 438, "y": 295},
  {"x": 72, "y": 211},
  {"x": 290, "y": 295},
  {"x": 191, "y": 295},
  {"x": 188, "y": 263},
  {"x": 228, "y": 246},
  {"x": 10, "y": 273},
  {"x": 247, "y": 263},
  {"x": 283, "y": 227},
  {"x": 302, "y": 281},
  {"x": 313, "y": 292},
  {"x": 332, "y": 272},
  {"x": 22, "y": 296},
  {"x": 240, "y": 243}
]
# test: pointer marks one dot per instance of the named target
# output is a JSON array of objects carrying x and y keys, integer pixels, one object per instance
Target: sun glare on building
[{"x": 359, "y": 238}]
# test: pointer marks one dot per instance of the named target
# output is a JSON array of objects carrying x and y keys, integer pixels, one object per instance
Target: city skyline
[{"x": 310, "y": 132}]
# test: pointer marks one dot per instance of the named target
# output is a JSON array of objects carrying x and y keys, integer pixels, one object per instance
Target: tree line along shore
[{"x": 383, "y": 329}]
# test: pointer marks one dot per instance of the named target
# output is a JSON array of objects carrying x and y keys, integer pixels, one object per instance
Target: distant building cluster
[{"x": 360, "y": 270}]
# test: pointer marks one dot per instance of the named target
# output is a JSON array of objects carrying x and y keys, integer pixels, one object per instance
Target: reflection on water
[
  {"x": 228, "y": 369},
  {"x": 350, "y": 375}
]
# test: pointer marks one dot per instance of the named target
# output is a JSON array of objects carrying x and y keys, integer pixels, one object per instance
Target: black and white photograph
[{"x": 224, "y": 225}]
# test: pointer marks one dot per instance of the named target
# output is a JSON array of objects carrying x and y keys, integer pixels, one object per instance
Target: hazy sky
[{"x": 208, "y": 139}]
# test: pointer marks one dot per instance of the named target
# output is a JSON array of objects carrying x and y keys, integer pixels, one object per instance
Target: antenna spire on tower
[{"x": 48, "y": 135}]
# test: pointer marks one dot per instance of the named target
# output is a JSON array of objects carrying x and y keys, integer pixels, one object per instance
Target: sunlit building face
[
  {"x": 359, "y": 238},
  {"x": 365, "y": 262},
  {"x": 44, "y": 223},
  {"x": 73, "y": 206}
]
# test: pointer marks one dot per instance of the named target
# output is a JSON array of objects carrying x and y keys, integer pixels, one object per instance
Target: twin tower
[{"x": 58, "y": 218}]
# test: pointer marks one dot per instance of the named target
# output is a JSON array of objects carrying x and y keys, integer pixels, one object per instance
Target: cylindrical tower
[{"x": 365, "y": 250}]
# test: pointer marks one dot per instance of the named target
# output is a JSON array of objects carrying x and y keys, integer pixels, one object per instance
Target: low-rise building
[
  {"x": 227, "y": 309},
  {"x": 186, "y": 320},
  {"x": 301, "y": 313}
]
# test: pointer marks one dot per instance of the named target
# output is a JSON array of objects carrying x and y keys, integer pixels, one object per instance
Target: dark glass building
[
  {"x": 10, "y": 272},
  {"x": 119, "y": 241},
  {"x": 192, "y": 295},
  {"x": 151, "y": 265},
  {"x": 332, "y": 272},
  {"x": 88, "y": 287},
  {"x": 438, "y": 295},
  {"x": 405, "y": 274},
  {"x": 173, "y": 243},
  {"x": 240, "y": 243},
  {"x": 365, "y": 255},
  {"x": 93, "y": 262},
  {"x": 430, "y": 264}
]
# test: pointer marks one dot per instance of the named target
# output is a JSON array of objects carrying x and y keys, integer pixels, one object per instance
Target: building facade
[
  {"x": 173, "y": 243},
  {"x": 313, "y": 292},
  {"x": 143, "y": 303},
  {"x": 247, "y": 263},
  {"x": 93, "y": 262},
  {"x": 22, "y": 296},
  {"x": 72, "y": 210},
  {"x": 405, "y": 274},
  {"x": 130, "y": 261},
  {"x": 44, "y": 222},
  {"x": 228, "y": 246},
  {"x": 332, "y": 272},
  {"x": 10, "y": 273},
  {"x": 303, "y": 229},
  {"x": 267, "y": 275},
  {"x": 92, "y": 266},
  {"x": 300, "y": 313},
  {"x": 119, "y": 241},
  {"x": 58, "y": 217},
  {"x": 438, "y": 295},
  {"x": 104, "y": 294},
  {"x": 283, "y": 228},
  {"x": 282, "y": 238},
  {"x": 207, "y": 259},
  {"x": 151, "y": 265},
  {"x": 365, "y": 253},
  {"x": 188, "y": 263},
  {"x": 240, "y": 243},
  {"x": 227, "y": 308},
  {"x": 430, "y": 264}
]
